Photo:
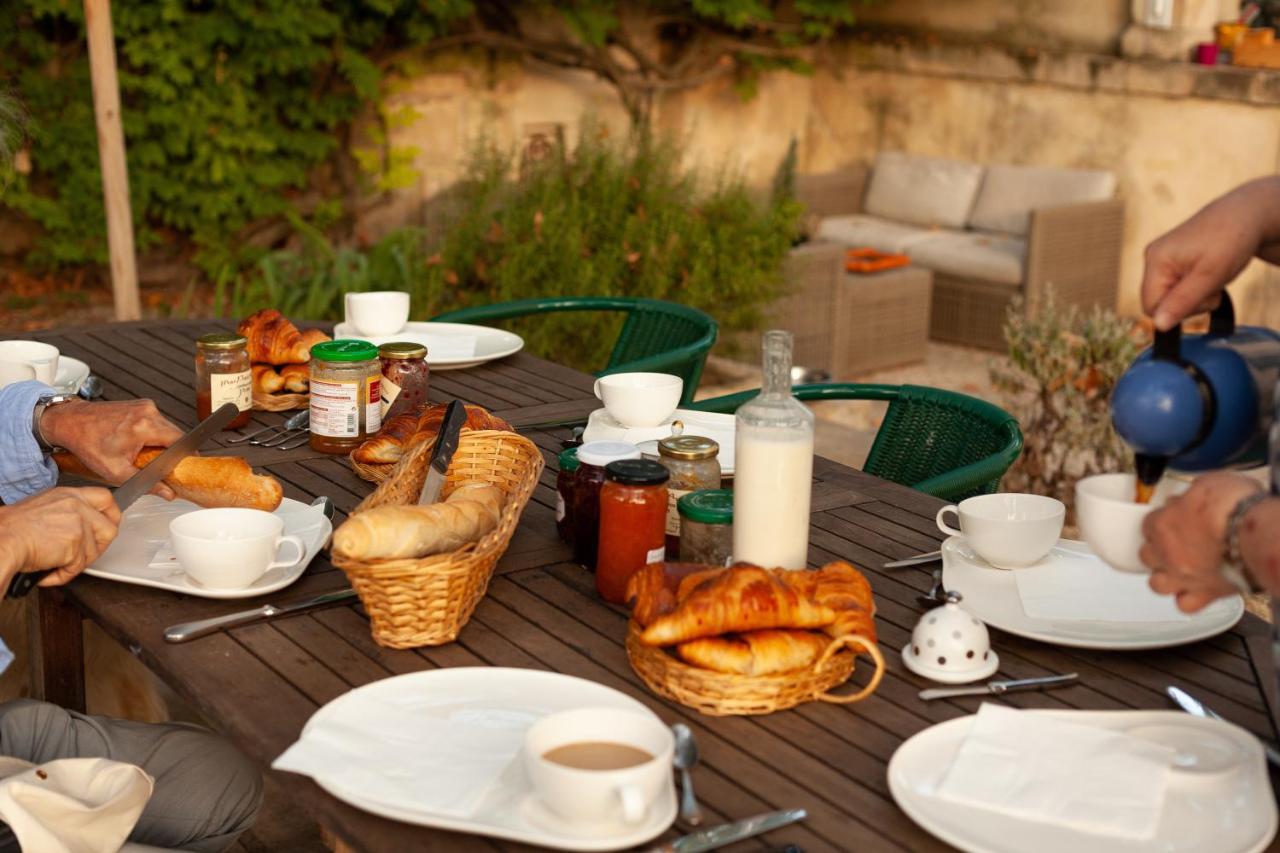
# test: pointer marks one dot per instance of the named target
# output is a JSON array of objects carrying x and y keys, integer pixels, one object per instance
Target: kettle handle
[{"x": 1167, "y": 346}]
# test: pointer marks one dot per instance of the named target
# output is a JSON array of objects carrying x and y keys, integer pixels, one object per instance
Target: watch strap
[
  {"x": 1241, "y": 509},
  {"x": 42, "y": 405}
]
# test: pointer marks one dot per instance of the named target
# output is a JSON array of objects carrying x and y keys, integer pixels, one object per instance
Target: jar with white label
[
  {"x": 694, "y": 465},
  {"x": 346, "y": 395},
  {"x": 223, "y": 375},
  {"x": 633, "y": 512}
]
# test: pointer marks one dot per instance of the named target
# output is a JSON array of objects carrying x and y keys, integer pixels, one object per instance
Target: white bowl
[{"x": 1111, "y": 522}]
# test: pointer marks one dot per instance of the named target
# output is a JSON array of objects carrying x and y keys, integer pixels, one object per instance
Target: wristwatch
[
  {"x": 1234, "y": 559},
  {"x": 43, "y": 404}
]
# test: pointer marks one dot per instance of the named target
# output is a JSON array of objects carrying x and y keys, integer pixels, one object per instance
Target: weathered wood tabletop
[{"x": 260, "y": 683}]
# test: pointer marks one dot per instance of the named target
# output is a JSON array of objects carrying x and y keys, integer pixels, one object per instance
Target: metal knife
[
  {"x": 728, "y": 833},
  {"x": 455, "y": 417},
  {"x": 191, "y": 630},
  {"x": 919, "y": 560},
  {"x": 1196, "y": 708},
  {"x": 147, "y": 478},
  {"x": 995, "y": 688}
]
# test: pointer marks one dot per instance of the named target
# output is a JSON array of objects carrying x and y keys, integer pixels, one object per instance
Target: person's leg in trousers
[{"x": 206, "y": 791}]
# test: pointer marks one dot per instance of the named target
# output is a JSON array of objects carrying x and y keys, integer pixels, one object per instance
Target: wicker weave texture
[
  {"x": 426, "y": 602},
  {"x": 837, "y": 193},
  {"x": 279, "y": 402},
  {"x": 812, "y": 273},
  {"x": 970, "y": 312},
  {"x": 881, "y": 319}
]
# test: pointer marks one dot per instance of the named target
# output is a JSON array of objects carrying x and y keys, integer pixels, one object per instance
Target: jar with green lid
[
  {"x": 223, "y": 375},
  {"x": 346, "y": 395},
  {"x": 694, "y": 465},
  {"x": 567, "y": 469},
  {"x": 706, "y": 527}
]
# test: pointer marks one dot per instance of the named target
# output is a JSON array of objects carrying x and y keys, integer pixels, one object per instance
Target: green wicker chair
[
  {"x": 945, "y": 444},
  {"x": 658, "y": 336}
]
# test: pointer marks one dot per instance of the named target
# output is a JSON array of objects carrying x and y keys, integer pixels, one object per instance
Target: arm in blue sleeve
[{"x": 24, "y": 470}]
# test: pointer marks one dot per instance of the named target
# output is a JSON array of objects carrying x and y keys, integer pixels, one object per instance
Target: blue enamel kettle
[{"x": 1198, "y": 402}]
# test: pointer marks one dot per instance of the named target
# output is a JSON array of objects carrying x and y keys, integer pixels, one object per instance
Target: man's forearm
[{"x": 1259, "y": 539}]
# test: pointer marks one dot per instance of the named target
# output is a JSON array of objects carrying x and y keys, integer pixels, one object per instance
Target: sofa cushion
[
  {"x": 1010, "y": 193},
  {"x": 871, "y": 232},
  {"x": 988, "y": 257},
  {"x": 922, "y": 190}
]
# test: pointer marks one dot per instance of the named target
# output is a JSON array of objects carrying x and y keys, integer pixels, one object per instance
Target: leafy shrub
[{"x": 1063, "y": 364}]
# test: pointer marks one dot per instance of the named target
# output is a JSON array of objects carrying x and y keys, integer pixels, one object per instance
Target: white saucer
[
  {"x": 616, "y": 834},
  {"x": 450, "y": 346},
  {"x": 72, "y": 372},
  {"x": 601, "y": 426}
]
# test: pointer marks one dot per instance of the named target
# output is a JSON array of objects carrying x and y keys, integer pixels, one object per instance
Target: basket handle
[{"x": 872, "y": 650}]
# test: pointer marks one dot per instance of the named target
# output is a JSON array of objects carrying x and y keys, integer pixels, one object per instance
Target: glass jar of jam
[
  {"x": 592, "y": 459},
  {"x": 223, "y": 376},
  {"x": 567, "y": 469},
  {"x": 346, "y": 406},
  {"x": 404, "y": 377},
  {"x": 694, "y": 465},
  {"x": 633, "y": 519},
  {"x": 706, "y": 527}
]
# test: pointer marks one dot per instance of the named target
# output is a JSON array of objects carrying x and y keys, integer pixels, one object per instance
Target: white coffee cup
[
  {"x": 599, "y": 796},
  {"x": 1008, "y": 530},
  {"x": 21, "y": 360},
  {"x": 639, "y": 399},
  {"x": 378, "y": 312},
  {"x": 230, "y": 548},
  {"x": 1111, "y": 521}
]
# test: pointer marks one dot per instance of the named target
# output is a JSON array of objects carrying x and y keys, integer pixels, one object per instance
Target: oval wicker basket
[
  {"x": 720, "y": 694},
  {"x": 426, "y": 601},
  {"x": 279, "y": 402},
  {"x": 373, "y": 473}
]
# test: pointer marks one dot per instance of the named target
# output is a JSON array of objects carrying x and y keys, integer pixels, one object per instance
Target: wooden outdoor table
[{"x": 260, "y": 683}]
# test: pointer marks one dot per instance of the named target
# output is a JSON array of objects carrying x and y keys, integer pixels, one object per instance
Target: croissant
[
  {"x": 755, "y": 652},
  {"x": 401, "y": 532},
  {"x": 845, "y": 590},
  {"x": 408, "y": 429},
  {"x": 742, "y": 598},
  {"x": 652, "y": 591},
  {"x": 433, "y": 416},
  {"x": 274, "y": 340},
  {"x": 297, "y": 377},
  {"x": 266, "y": 380},
  {"x": 210, "y": 481}
]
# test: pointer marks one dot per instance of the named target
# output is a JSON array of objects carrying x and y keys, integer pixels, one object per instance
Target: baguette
[
  {"x": 209, "y": 481},
  {"x": 407, "y": 532}
]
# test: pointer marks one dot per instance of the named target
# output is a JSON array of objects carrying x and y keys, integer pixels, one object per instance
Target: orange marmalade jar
[{"x": 633, "y": 523}]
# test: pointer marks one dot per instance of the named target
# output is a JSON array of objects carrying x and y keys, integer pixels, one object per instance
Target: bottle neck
[{"x": 777, "y": 365}]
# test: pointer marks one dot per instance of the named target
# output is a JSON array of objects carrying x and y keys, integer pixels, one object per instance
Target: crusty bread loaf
[
  {"x": 210, "y": 481},
  {"x": 766, "y": 652},
  {"x": 403, "y": 532}
]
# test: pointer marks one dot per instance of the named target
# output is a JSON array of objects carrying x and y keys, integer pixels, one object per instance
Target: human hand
[
  {"x": 1186, "y": 539},
  {"x": 107, "y": 436},
  {"x": 1186, "y": 269},
  {"x": 62, "y": 529}
]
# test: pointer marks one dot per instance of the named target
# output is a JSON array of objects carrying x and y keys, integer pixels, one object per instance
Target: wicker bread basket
[
  {"x": 279, "y": 402},
  {"x": 372, "y": 472},
  {"x": 721, "y": 694},
  {"x": 426, "y": 601}
]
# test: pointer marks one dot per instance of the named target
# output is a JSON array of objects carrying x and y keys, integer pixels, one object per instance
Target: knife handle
[
  {"x": 24, "y": 582},
  {"x": 191, "y": 630}
]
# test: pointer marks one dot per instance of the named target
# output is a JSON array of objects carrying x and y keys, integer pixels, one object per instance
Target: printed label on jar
[
  {"x": 335, "y": 408},
  {"x": 389, "y": 392},
  {"x": 673, "y": 514},
  {"x": 559, "y": 507},
  {"x": 373, "y": 409},
  {"x": 656, "y": 555},
  {"x": 231, "y": 388}
]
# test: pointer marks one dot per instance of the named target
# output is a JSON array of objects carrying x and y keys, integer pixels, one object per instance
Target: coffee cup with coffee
[
  {"x": 1009, "y": 530},
  {"x": 231, "y": 548},
  {"x": 599, "y": 765},
  {"x": 639, "y": 399},
  {"x": 1111, "y": 519},
  {"x": 378, "y": 313},
  {"x": 21, "y": 360}
]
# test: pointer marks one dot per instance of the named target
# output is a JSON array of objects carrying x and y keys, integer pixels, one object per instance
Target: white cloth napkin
[
  {"x": 1037, "y": 767},
  {"x": 1081, "y": 588},
  {"x": 406, "y": 759},
  {"x": 73, "y": 805},
  {"x": 441, "y": 347}
]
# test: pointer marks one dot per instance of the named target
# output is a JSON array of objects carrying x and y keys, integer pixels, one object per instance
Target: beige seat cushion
[
  {"x": 872, "y": 232},
  {"x": 922, "y": 190},
  {"x": 1010, "y": 193},
  {"x": 988, "y": 257}
]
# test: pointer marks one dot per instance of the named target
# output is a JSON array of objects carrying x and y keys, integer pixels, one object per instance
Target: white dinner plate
[
  {"x": 144, "y": 530},
  {"x": 450, "y": 346},
  {"x": 1219, "y": 796},
  {"x": 72, "y": 372},
  {"x": 509, "y": 697},
  {"x": 992, "y": 595},
  {"x": 602, "y": 427}
]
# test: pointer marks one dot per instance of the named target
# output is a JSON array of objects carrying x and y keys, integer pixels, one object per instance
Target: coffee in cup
[
  {"x": 378, "y": 313},
  {"x": 599, "y": 765},
  {"x": 1111, "y": 519},
  {"x": 1008, "y": 530},
  {"x": 231, "y": 548},
  {"x": 640, "y": 399},
  {"x": 21, "y": 360}
]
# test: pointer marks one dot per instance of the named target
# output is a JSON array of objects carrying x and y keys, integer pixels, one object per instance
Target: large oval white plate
[
  {"x": 519, "y": 696},
  {"x": 145, "y": 529},
  {"x": 1228, "y": 812},
  {"x": 442, "y": 341},
  {"x": 992, "y": 596}
]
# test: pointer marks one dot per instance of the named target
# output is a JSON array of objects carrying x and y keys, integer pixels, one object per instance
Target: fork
[{"x": 293, "y": 423}]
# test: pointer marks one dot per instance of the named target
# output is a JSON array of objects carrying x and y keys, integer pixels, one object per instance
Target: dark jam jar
[
  {"x": 592, "y": 457},
  {"x": 633, "y": 523},
  {"x": 405, "y": 377},
  {"x": 568, "y": 469}
]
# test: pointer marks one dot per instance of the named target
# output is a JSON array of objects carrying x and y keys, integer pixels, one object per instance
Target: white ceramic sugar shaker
[{"x": 950, "y": 645}]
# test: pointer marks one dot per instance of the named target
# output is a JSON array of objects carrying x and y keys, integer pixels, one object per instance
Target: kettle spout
[{"x": 1149, "y": 468}]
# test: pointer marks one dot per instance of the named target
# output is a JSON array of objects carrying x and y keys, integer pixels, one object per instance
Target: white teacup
[
  {"x": 378, "y": 312},
  {"x": 599, "y": 796},
  {"x": 21, "y": 360},
  {"x": 1009, "y": 531},
  {"x": 230, "y": 548},
  {"x": 1111, "y": 521},
  {"x": 640, "y": 399}
]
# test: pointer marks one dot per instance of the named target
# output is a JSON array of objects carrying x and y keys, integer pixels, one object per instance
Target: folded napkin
[
  {"x": 73, "y": 805},
  {"x": 407, "y": 759},
  {"x": 1081, "y": 588},
  {"x": 1047, "y": 769},
  {"x": 450, "y": 346}
]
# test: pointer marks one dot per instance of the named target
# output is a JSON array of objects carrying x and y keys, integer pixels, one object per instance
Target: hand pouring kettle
[{"x": 1195, "y": 402}]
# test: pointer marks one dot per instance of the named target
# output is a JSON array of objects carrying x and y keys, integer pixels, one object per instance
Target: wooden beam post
[{"x": 115, "y": 172}]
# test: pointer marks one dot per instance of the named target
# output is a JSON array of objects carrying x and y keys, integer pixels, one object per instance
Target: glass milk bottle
[{"x": 773, "y": 468}]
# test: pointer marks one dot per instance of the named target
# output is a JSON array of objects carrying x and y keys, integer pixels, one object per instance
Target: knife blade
[
  {"x": 455, "y": 417},
  {"x": 728, "y": 833},
  {"x": 190, "y": 630},
  {"x": 995, "y": 688},
  {"x": 918, "y": 560},
  {"x": 1196, "y": 708},
  {"x": 146, "y": 479}
]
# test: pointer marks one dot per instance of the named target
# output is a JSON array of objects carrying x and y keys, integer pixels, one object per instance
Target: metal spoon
[
  {"x": 91, "y": 388},
  {"x": 686, "y": 758},
  {"x": 936, "y": 596}
]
